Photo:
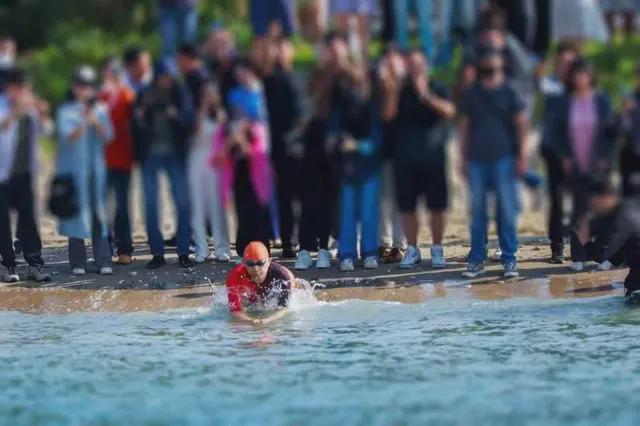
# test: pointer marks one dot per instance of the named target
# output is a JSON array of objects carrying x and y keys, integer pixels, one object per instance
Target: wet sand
[
  {"x": 60, "y": 300},
  {"x": 134, "y": 288}
]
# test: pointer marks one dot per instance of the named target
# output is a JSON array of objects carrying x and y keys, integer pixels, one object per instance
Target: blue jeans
[
  {"x": 401, "y": 22},
  {"x": 175, "y": 169},
  {"x": 177, "y": 25},
  {"x": 120, "y": 183},
  {"x": 359, "y": 203},
  {"x": 501, "y": 177}
]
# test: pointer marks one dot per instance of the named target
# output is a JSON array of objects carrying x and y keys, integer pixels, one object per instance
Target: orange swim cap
[{"x": 255, "y": 251}]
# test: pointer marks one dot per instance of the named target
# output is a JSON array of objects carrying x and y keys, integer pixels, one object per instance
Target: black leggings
[
  {"x": 555, "y": 188},
  {"x": 253, "y": 218}
]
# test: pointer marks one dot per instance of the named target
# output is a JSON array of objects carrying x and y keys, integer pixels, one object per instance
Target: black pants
[
  {"x": 17, "y": 193},
  {"x": 318, "y": 202},
  {"x": 254, "y": 222},
  {"x": 286, "y": 181},
  {"x": 318, "y": 193},
  {"x": 629, "y": 166},
  {"x": 555, "y": 187},
  {"x": 579, "y": 184},
  {"x": 120, "y": 183}
]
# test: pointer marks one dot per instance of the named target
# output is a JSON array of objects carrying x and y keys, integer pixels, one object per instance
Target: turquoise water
[{"x": 518, "y": 361}]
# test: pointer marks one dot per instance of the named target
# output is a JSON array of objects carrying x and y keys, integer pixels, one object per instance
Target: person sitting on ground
[
  {"x": 619, "y": 238},
  {"x": 258, "y": 283}
]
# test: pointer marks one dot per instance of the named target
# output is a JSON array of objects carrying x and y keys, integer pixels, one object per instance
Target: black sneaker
[
  {"x": 185, "y": 262},
  {"x": 288, "y": 253},
  {"x": 557, "y": 254},
  {"x": 38, "y": 274},
  {"x": 156, "y": 262}
]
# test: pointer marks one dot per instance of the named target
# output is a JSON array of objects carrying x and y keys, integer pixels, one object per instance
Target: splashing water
[{"x": 514, "y": 361}]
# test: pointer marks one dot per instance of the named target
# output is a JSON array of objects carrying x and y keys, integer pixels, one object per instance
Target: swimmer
[{"x": 259, "y": 282}]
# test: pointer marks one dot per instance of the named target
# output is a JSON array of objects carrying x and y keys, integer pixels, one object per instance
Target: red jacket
[{"x": 119, "y": 151}]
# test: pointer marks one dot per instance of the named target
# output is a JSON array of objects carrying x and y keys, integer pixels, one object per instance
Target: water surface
[{"x": 443, "y": 361}]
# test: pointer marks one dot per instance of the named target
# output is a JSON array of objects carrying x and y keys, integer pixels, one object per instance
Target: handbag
[{"x": 63, "y": 197}]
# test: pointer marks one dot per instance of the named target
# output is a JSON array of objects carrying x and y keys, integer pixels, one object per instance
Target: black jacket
[
  {"x": 142, "y": 123},
  {"x": 605, "y": 133}
]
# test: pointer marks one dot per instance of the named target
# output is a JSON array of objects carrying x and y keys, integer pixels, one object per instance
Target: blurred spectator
[
  {"x": 617, "y": 238},
  {"x": 360, "y": 12},
  {"x": 585, "y": 142},
  {"x": 20, "y": 126},
  {"x": 493, "y": 135},
  {"x": 436, "y": 20},
  {"x": 84, "y": 128},
  {"x": 522, "y": 17},
  {"x": 220, "y": 55},
  {"x": 352, "y": 130},
  {"x": 163, "y": 119},
  {"x": 318, "y": 206},
  {"x": 272, "y": 18},
  {"x": 578, "y": 21},
  {"x": 420, "y": 159},
  {"x": 626, "y": 10},
  {"x": 552, "y": 88},
  {"x": 630, "y": 153},
  {"x": 242, "y": 153},
  {"x": 193, "y": 72},
  {"x": 119, "y": 99},
  {"x": 493, "y": 36},
  {"x": 178, "y": 22},
  {"x": 284, "y": 105},
  {"x": 204, "y": 180},
  {"x": 138, "y": 70},
  {"x": 391, "y": 74},
  {"x": 7, "y": 59}
]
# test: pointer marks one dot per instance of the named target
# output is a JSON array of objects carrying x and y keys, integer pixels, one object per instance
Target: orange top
[
  {"x": 255, "y": 251},
  {"x": 119, "y": 152}
]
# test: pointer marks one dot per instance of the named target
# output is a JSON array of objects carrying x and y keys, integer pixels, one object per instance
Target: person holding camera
[
  {"x": 83, "y": 129},
  {"x": 21, "y": 122},
  {"x": 162, "y": 121}
]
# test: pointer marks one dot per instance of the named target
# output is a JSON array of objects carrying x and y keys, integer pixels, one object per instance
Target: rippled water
[{"x": 518, "y": 361}]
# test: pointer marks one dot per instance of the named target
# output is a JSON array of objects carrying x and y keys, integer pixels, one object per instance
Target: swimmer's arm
[
  {"x": 274, "y": 317},
  {"x": 243, "y": 316}
]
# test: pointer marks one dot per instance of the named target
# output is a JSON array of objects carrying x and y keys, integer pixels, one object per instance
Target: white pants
[
  {"x": 204, "y": 189},
  {"x": 390, "y": 229}
]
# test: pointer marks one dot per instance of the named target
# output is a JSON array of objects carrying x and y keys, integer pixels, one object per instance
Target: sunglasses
[{"x": 251, "y": 263}]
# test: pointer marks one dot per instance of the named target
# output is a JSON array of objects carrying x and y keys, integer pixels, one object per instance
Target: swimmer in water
[{"x": 259, "y": 282}]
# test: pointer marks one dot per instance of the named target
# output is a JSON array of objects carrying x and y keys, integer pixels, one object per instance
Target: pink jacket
[{"x": 259, "y": 165}]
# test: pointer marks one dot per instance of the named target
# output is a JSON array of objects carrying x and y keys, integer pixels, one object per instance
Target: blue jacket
[{"x": 83, "y": 159}]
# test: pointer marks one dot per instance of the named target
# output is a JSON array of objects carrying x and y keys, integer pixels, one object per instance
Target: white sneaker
[
  {"x": 411, "y": 258},
  {"x": 371, "y": 262},
  {"x": 577, "y": 266},
  {"x": 106, "y": 270},
  {"x": 201, "y": 259},
  {"x": 223, "y": 258},
  {"x": 346, "y": 265},
  {"x": 497, "y": 255},
  {"x": 605, "y": 266},
  {"x": 324, "y": 259},
  {"x": 303, "y": 261},
  {"x": 437, "y": 257},
  {"x": 78, "y": 271},
  {"x": 9, "y": 275}
]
